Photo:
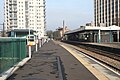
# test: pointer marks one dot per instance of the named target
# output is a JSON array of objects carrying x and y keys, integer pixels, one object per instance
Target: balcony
[
  {"x": 13, "y": 11},
  {"x": 13, "y": 3}
]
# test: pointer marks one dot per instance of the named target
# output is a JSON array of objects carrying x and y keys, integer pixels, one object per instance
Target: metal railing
[{"x": 12, "y": 51}]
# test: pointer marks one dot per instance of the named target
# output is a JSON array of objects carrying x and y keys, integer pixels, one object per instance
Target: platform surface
[{"x": 42, "y": 66}]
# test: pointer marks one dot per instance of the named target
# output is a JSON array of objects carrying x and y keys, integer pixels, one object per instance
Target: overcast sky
[{"x": 73, "y": 12}]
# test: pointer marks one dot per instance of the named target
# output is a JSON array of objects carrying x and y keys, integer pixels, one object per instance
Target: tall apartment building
[
  {"x": 107, "y": 12},
  {"x": 25, "y": 14}
]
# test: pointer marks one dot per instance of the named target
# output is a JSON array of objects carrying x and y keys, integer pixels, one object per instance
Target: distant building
[
  {"x": 25, "y": 14},
  {"x": 90, "y": 24},
  {"x": 58, "y": 34},
  {"x": 107, "y": 12}
]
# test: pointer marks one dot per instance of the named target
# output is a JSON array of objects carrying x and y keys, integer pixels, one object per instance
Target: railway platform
[{"x": 53, "y": 62}]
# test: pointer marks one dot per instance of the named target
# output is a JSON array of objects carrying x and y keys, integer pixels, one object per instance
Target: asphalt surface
[{"x": 43, "y": 66}]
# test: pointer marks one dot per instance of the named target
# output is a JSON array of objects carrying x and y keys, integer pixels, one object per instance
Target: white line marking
[{"x": 99, "y": 63}]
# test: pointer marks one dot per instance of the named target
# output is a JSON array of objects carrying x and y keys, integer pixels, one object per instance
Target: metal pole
[
  {"x": 99, "y": 36},
  {"x": 36, "y": 47},
  {"x": 36, "y": 43},
  {"x": 118, "y": 35},
  {"x": 29, "y": 45},
  {"x": 63, "y": 29},
  {"x": 40, "y": 43},
  {"x": 110, "y": 36},
  {"x": 30, "y": 55}
]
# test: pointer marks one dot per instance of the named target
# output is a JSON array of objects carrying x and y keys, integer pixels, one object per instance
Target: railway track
[
  {"x": 110, "y": 59},
  {"x": 102, "y": 52}
]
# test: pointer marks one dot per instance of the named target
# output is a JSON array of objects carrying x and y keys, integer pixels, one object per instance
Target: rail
[{"x": 102, "y": 54}]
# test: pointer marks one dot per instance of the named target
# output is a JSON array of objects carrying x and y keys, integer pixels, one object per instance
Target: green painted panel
[{"x": 12, "y": 51}]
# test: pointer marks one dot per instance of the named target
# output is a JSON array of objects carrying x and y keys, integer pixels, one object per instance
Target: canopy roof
[{"x": 114, "y": 28}]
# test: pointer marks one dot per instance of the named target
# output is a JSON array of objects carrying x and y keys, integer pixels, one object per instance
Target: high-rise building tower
[
  {"x": 107, "y": 12},
  {"x": 25, "y": 14}
]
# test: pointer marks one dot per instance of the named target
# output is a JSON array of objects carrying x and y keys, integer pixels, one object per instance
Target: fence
[{"x": 12, "y": 51}]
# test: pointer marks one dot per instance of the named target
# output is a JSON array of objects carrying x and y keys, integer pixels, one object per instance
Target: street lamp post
[{"x": 3, "y": 35}]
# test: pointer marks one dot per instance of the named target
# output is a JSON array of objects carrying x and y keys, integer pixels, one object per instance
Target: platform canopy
[
  {"x": 114, "y": 27},
  {"x": 84, "y": 28}
]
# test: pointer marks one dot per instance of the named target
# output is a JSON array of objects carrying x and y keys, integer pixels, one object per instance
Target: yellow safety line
[{"x": 95, "y": 72}]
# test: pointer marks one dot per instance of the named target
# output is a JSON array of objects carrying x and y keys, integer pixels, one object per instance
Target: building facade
[
  {"x": 107, "y": 12},
  {"x": 59, "y": 33},
  {"x": 25, "y": 14}
]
